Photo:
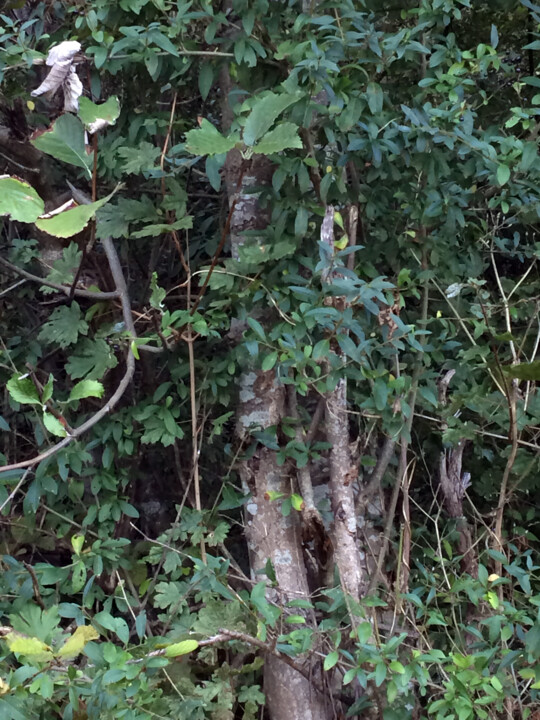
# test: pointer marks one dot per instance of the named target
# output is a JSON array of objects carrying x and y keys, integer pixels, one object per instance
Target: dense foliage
[{"x": 392, "y": 150}]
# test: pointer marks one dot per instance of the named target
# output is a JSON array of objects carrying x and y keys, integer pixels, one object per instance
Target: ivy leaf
[
  {"x": 19, "y": 200},
  {"x": 263, "y": 115},
  {"x": 86, "y": 388},
  {"x": 207, "y": 140},
  {"x": 65, "y": 326},
  {"x": 181, "y": 648},
  {"x": 23, "y": 391},
  {"x": 95, "y": 117},
  {"x": 282, "y": 137},
  {"x": 74, "y": 645},
  {"x": 91, "y": 359},
  {"x": 64, "y": 140},
  {"x": 53, "y": 425},
  {"x": 70, "y": 222}
]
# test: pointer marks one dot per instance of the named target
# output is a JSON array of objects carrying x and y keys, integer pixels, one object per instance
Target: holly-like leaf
[
  {"x": 282, "y": 137},
  {"x": 91, "y": 359},
  {"x": 207, "y": 140},
  {"x": 70, "y": 222},
  {"x": 65, "y": 325},
  {"x": 23, "y": 390},
  {"x": 74, "y": 645},
  {"x": 95, "y": 117},
  {"x": 86, "y": 388},
  {"x": 19, "y": 200},
  {"x": 64, "y": 140},
  {"x": 53, "y": 425},
  {"x": 181, "y": 648},
  {"x": 263, "y": 115}
]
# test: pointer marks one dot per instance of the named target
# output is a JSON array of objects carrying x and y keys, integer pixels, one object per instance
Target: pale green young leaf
[
  {"x": 23, "y": 391},
  {"x": 96, "y": 116},
  {"x": 86, "y": 388},
  {"x": 181, "y": 648},
  {"x": 19, "y": 200},
  {"x": 70, "y": 222},
  {"x": 53, "y": 425}
]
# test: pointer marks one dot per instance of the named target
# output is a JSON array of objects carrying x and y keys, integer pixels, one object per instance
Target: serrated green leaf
[
  {"x": 54, "y": 425},
  {"x": 207, "y": 140},
  {"x": 105, "y": 114},
  {"x": 86, "y": 388},
  {"x": 23, "y": 391},
  {"x": 64, "y": 140},
  {"x": 181, "y": 648},
  {"x": 19, "y": 200},
  {"x": 282, "y": 137},
  {"x": 70, "y": 222},
  {"x": 263, "y": 115},
  {"x": 91, "y": 359},
  {"x": 64, "y": 326}
]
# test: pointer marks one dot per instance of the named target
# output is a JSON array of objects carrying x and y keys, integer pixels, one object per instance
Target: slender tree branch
[{"x": 66, "y": 289}]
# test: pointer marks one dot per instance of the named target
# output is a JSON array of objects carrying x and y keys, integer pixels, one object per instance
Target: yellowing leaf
[
  {"x": 29, "y": 646},
  {"x": 74, "y": 645},
  {"x": 4, "y": 687},
  {"x": 181, "y": 648},
  {"x": 493, "y": 577}
]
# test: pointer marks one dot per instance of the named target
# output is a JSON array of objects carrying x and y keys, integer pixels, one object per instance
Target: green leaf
[
  {"x": 206, "y": 78},
  {"x": 375, "y": 97},
  {"x": 91, "y": 359},
  {"x": 64, "y": 140},
  {"x": 297, "y": 501},
  {"x": 269, "y": 361},
  {"x": 282, "y": 137},
  {"x": 64, "y": 326},
  {"x": 70, "y": 222},
  {"x": 181, "y": 648},
  {"x": 86, "y": 388},
  {"x": 95, "y": 116},
  {"x": 23, "y": 391},
  {"x": 380, "y": 394},
  {"x": 330, "y": 660},
  {"x": 503, "y": 174},
  {"x": 257, "y": 328},
  {"x": 524, "y": 371},
  {"x": 263, "y": 115},
  {"x": 53, "y": 425},
  {"x": 184, "y": 223},
  {"x": 29, "y": 646},
  {"x": 207, "y": 140},
  {"x": 19, "y": 200}
]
